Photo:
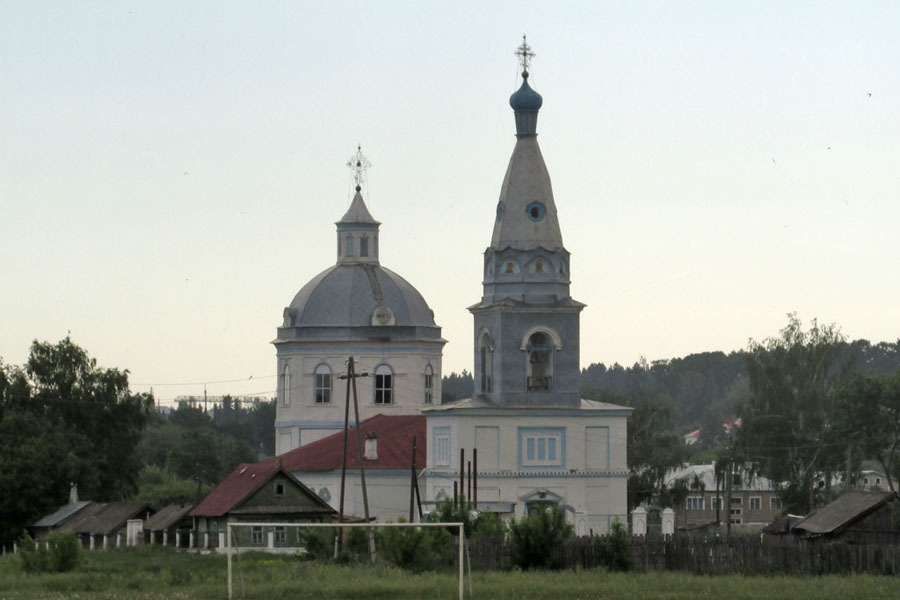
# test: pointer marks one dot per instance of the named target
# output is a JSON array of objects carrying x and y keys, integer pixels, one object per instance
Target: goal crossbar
[{"x": 228, "y": 526}]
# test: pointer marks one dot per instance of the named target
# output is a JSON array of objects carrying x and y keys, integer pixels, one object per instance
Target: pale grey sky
[{"x": 170, "y": 172}]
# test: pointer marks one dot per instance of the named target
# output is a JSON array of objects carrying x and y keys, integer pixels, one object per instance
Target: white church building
[{"x": 537, "y": 441}]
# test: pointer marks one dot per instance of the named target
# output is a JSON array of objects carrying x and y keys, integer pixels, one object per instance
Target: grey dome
[{"x": 347, "y": 295}]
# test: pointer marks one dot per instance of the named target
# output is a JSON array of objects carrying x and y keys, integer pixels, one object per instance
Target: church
[{"x": 538, "y": 443}]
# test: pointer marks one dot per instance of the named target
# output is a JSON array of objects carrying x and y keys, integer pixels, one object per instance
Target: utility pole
[
  {"x": 359, "y": 453},
  {"x": 351, "y": 383},
  {"x": 339, "y": 541},
  {"x": 412, "y": 481}
]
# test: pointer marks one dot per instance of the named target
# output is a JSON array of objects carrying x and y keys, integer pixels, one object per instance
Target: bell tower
[{"x": 527, "y": 324}]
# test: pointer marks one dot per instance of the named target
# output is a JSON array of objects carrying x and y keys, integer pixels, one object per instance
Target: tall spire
[{"x": 526, "y": 213}]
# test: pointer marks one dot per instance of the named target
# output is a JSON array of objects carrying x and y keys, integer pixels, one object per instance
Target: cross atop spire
[
  {"x": 525, "y": 55},
  {"x": 358, "y": 163}
]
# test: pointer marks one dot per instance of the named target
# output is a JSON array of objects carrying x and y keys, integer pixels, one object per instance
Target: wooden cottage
[{"x": 259, "y": 493}]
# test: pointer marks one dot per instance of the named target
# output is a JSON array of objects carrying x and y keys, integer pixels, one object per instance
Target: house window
[
  {"x": 737, "y": 501},
  {"x": 441, "y": 446},
  {"x": 257, "y": 537},
  {"x": 715, "y": 503},
  {"x": 736, "y": 516},
  {"x": 279, "y": 488},
  {"x": 774, "y": 503},
  {"x": 280, "y": 535},
  {"x": 429, "y": 384},
  {"x": 542, "y": 446},
  {"x": 694, "y": 503},
  {"x": 755, "y": 502},
  {"x": 539, "y": 368},
  {"x": 286, "y": 386},
  {"x": 323, "y": 384},
  {"x": 364, "y": 246},
  {"x": 348, "y": 246},
  {"x": 384, "y": 385}
]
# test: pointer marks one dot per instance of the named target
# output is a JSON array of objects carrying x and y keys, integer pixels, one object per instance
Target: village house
[
  {"x": 257, "y": 493},
  {"x": 754, "y": 503}
]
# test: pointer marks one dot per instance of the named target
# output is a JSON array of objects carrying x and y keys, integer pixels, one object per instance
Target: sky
[{"x": 170, "y": 172}]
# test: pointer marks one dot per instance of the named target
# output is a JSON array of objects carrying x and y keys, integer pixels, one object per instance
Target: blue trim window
[{"x": 542, "y": 447}]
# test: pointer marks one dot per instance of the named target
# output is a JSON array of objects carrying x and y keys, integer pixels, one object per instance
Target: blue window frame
[{"x": 542, "y": 447}]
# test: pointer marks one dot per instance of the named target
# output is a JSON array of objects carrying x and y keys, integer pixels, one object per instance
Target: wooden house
[{"x": 259, "y": 493}]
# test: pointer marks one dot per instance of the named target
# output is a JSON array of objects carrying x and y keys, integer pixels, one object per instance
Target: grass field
[{"x": 158, "y": 573}]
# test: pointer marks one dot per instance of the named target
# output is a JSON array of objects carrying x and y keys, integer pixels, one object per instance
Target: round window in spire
[{"x": 536, "y": 211}]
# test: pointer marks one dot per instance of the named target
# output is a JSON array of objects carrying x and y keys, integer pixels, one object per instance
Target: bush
[
  {"x": 318, "y": 542},
  {"x": 413, "y": 548},
  {"x": 60, "y": 552},
  {"x": 540, "y": 541},
  {"x": 474, "y": 523},
  {"x": 613, "y": 548}
]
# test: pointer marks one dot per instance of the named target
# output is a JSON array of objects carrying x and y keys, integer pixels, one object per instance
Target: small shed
[
  {"x": 57, "y": 519},
  {"x": 104, "y": 524},
  {"x": 856, "y": 517},
  {"x": 164, "y": 527}
]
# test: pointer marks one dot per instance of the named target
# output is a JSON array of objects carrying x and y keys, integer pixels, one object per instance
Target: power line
[{"x": 252, "y": 377}]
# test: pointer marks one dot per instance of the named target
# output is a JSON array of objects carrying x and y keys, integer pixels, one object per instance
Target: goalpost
[{"x": 230, "y": 550}]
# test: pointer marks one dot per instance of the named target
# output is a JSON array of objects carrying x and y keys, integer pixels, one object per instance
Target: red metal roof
[
  {"x": 394, "y": 432},
  {"x": 239, "y": 484}
]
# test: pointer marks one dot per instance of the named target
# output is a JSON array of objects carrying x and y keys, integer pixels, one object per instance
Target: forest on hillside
[{"x": 698, "y": 389}]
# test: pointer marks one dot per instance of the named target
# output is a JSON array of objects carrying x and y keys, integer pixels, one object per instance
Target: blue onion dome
[
  {"x": 525, "y": 98},
  {"x": 526, "y": 102}
]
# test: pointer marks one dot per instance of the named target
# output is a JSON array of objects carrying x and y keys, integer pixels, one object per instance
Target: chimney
[
  {"x": 371, "y": 452},
  {"x": 73, "y": 493}
]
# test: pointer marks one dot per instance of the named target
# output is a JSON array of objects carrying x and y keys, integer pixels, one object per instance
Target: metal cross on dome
[
  {"x": 525, "y": 55},
  {"x": 358, "y": 163}
]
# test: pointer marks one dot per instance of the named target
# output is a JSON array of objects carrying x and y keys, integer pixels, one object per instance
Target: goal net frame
[{"x": 230, "y": 550}]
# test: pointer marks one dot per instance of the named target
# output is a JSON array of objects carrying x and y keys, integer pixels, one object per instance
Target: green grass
[{"x": 158, "y": 573}]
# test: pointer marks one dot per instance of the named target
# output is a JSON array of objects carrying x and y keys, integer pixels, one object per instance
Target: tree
[
  {"x": 64, "y": 420},
  {"x": 788, "y": 425},
  {"x": 869, "y": 423},
  {"x": 653, "y": 451}
]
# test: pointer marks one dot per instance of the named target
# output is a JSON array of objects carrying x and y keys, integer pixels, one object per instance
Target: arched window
[
  {"x": 323, "y": 384},
  {"x": 286, "y": 385},
  {"x": 486, "y": 362},
  {"x": 429, "y": 384},
  {"x": 384, "y": 385},
  {"x": 539, "y": 368}
]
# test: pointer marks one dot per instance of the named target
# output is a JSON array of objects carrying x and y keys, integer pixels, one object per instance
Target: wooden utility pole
[
  {"x": 350, "y": 377},
  {"x": 462, "y": 475},
  {"x": 359, "y": 452},
  {"x": 475, "y": 477},
  {"x": 412, "y": 482}
]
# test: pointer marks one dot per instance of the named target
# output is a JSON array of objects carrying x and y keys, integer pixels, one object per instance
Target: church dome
[
  {"x": 525, "y": 98},
  {"x": 359, "y": 295}
]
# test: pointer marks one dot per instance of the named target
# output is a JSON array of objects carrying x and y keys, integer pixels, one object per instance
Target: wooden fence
[{"x": 715, "y": 556}]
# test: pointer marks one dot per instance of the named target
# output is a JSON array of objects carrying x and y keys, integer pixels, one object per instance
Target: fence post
[
  {"x": 639, "y": 521},
  {"x": 668, "y": 522}
]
